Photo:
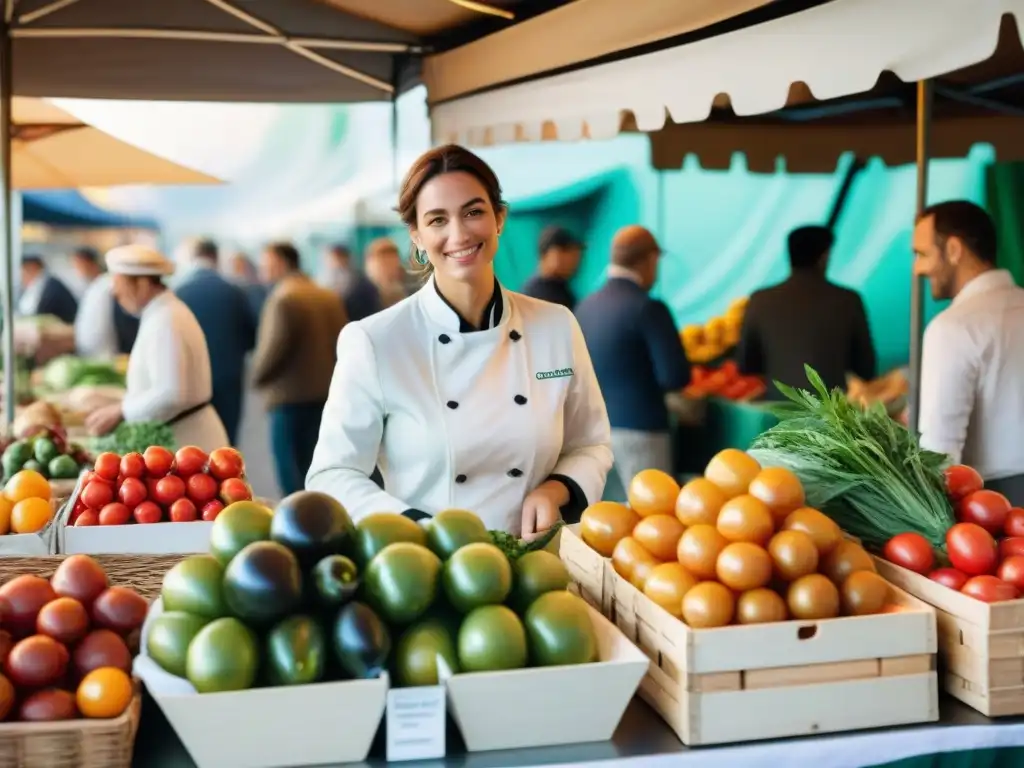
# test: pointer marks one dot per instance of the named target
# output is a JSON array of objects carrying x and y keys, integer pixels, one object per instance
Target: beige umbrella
[{"x": 52, "y": 149}]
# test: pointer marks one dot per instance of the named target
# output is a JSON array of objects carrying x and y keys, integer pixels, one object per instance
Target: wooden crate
[
  {"x": 792, "y": 678},
  {"x": 981, "y": 645}
]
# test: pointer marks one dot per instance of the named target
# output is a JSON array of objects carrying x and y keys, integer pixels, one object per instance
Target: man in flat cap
[
  {"x": 560, "y": 254},
  {"x": 169, "y": 378},
  {"x": 637, "y": 355},
  {"x": 806, "y": 320}
]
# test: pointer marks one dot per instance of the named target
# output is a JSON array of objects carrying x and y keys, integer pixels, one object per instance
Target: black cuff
[
  {"x": 416, "y": 515},
  {"x": 577, "y": 499}
]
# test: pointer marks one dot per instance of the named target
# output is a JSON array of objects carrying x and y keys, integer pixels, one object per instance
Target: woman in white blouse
[{"x": 465, "y": 395}]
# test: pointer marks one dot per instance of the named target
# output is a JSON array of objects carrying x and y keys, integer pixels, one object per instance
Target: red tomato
[
  {"x": 949, "y": 577},
  {"x": 962, "y": 481},
  {"x": 183, "y": 511},
  {"x": 211, "y": 509},
  {"x": 910, "y": 550},
  {"x": 97, "y": 494},
  {"x": 986, "y": 508},
  {"x": 108, "y": 466},
  {"x": 115, "y": 514},
  {"x": 989, "y": 589},
  {"x": 169, "y": 490},
  {"x": 189, "y": 460},
  {"x": 1013, "y": 545},
  {"x": 132, "y": 492},
  {"x": 235, "y": 489},
  {"x": 201, "y": 488},
  {"x": 158, "y": 460},
  {"x": 133, "y": 465},
  {"x": 1014, "y": 525},
  {"x": 151, "y": 483},
  {"x": 89, "y": 517},
  {"x": 148, "y": 512},
  {"x": 226, "y": 463},
  {"x": 1011, "y": 570},
  {"x": 971, "y": 549}
]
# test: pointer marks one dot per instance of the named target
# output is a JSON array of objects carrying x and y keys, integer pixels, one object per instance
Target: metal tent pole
[
  {"x": 924, "y": 127},
  {"x": 7, "y": 244}
]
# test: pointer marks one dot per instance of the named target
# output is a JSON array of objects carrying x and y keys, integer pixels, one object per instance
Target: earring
[{"x": 421, "y": 258}]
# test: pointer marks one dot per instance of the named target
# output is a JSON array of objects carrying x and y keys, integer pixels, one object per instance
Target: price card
[{"x": 416, "y": 723}]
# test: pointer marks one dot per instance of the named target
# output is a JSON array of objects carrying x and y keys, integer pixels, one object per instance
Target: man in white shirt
[{"x": 972, "y": 367}]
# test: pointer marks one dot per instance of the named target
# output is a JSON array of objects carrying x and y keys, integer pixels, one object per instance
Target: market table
[{"x": 962, "y": 739}]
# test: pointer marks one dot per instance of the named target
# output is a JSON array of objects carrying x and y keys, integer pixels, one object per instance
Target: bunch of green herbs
[
  {"x": 864, "y": 470},
  {"x": 515, "y": 548},
  {"x": 133, "y": 437}
]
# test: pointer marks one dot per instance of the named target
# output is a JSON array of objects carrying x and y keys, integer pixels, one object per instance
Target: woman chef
[
  {"x": 169, "y": 378},
  {"x": 465, "y": 395}
]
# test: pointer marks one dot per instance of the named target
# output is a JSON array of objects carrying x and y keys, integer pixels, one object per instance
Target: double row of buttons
[{"x": 444, "y": 338}]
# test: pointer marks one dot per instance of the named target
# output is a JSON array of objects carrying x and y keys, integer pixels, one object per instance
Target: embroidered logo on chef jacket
[{"x": 556, "y": 374}]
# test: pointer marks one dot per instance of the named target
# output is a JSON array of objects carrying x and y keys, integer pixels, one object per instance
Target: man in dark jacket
[
  {"x": 806, "y": 319},
  {"x": 637, "y": 354},
  {"x": 560, "y": 254},
  {"x": 225, "y": 315},
  {"x": 44, "y": 294}
]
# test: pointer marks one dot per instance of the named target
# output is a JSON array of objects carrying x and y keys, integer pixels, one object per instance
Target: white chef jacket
[
  {"x": 95, "y": 333},
  {"x": 972, "y": 377},
  {"x": 169, "y": 372},
  {"x": 472, "y": 420}
]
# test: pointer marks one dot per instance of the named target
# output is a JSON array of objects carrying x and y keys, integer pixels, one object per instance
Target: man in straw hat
[{"x": 169, "y": 378}]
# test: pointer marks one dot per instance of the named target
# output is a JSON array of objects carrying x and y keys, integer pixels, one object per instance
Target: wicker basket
[
  {"x": 143, "y": 573},
  {"x": 72, "y": 743}
]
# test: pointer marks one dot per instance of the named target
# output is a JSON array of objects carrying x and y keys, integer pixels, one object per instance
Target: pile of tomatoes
[
  {"x": 159, "y": 486},
  {"x": 737, "y": 545},
  {"x": 985, "y": 547}
]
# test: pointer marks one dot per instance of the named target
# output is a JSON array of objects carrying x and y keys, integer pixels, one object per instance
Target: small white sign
[{"x": 416, "y": 723}]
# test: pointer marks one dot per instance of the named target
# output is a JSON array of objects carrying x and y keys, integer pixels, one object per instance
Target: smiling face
[
  {"x": 458, "y": 227},
  {"x": 936, "y": 259}
]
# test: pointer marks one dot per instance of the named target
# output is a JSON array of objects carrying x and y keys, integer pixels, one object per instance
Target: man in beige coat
[{"x": 294, "y": 360}]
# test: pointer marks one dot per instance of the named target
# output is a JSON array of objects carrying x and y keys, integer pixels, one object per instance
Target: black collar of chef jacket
[{"x": 491, "y": 315}]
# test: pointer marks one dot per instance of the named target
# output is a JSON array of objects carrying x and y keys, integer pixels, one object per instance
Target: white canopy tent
[{"x": 759, "y": 89}]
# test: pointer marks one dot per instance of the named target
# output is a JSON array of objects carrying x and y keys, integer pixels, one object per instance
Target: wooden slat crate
[
  {"x": 792, "y": 678},
  {"x": 981, "y": 645}
]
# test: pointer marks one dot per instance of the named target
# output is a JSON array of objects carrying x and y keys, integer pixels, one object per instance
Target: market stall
[{"x": 842, "y": 89}]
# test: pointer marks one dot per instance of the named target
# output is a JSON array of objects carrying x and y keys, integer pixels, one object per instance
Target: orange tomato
[
  {"x": 659, "y": 535},
  {"x": 848, "y": 557},
  {"x": 632, "y": 562},
  {"x": 30, "y": 515},
  {"x": 793, "y": 554},
  {"x": 760, "y": 606},
  {"x": 699, "y": 502},
  {"x": 708, "y": 604},
  {"x": 104, "y": 692},
  {"x": 667, "y": 584},
  {"x": 653, "y": 492},
  {"x": 698, "y": 550},
  {"x": 742, "y": 566},
  {"x": 821, "y": 528},
  {"x": 27, "y": 484},
  {"x": 744, "y": 518},
  {"x": 7, "y": 697},
  {"x": 732, "y": 470},
  {"x": 863, "y": 593},
  {"x": 813, "y": 597},
  {"x": 779, "y": 489},
  {"x": 605, "y": 524}
]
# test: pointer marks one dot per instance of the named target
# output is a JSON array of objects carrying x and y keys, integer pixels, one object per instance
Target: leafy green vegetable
[
  {"x": 515, "y": 548},
  {"x": 134, "y": 436},
  {"x": 857, "y": 465}
]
